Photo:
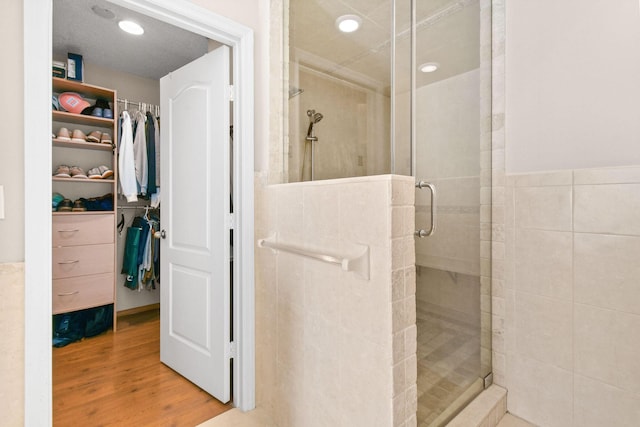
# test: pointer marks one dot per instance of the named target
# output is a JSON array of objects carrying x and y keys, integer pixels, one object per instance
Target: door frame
[{"x": 37, "y": 20}]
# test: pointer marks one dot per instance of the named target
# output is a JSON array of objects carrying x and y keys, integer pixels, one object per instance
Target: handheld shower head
[{"x": 313, "y": 119}]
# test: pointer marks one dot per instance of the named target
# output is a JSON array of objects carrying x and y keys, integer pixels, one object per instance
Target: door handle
[
  {"x": 432, "y": 229},
  {"x": 160, "y": 234}
]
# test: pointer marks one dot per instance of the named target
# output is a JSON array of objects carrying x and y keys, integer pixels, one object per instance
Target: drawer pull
[
  {"x": 68, "y": 231},
  {"x": 69, "y": 262},
  {"x": 68, "y": 294}
]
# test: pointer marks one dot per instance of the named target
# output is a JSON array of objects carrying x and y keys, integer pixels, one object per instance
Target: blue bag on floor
[{"x": 68, "y": 327}]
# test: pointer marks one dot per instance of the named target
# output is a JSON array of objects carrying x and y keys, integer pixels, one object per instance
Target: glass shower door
[{"x": 449, "y": 104}]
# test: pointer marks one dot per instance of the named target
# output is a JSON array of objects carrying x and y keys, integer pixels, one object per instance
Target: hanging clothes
[
  {"x": 156, "y": 124},
  {"x": 130, "y": 261},
  {"x": 141, "y": 258},
  {"x": 126, "y": 159},
  {"x": 150, "y": 132},
  {"x": 140, "y": 152}
]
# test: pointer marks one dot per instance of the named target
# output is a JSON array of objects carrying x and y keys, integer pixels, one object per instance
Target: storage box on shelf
[{"x": 84, "y": 250}]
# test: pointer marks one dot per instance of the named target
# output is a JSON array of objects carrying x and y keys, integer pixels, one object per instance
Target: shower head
[
  {"x": 313, "y": 116},
  {"x": 313, "y": 119},
  {"x": 295, "y": 91}
]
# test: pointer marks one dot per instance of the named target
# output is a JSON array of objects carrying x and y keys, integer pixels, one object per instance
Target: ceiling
[
  {"x": 161, "y": 49},
  {"x": 447, "y": 32}
]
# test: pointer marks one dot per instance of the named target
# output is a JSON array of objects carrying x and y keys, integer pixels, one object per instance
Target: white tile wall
[
  {"x": 606, "y": 271},
  {"x": 344, "y": 347},
  {"x": 594, "y": 213},
  {"x": 539, "y": 392},
  {"x": 543, "y": 262},
  {"x": 599, "y": 404},
  {"x": 571, "y": 317}
]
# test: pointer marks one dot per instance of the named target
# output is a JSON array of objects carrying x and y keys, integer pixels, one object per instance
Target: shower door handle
[{"x": 432, "y": 229}]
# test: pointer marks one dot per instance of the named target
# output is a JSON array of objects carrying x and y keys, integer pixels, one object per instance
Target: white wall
[
  {"x": 11, "y": 147},
  {"x": 562, "y": 274},
  {"x": 572, "y": 85}
]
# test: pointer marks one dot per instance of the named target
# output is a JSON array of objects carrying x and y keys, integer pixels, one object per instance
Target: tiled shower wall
[
  {"x": 336, "y": 349},
  {"x": 352, "y": 136},
  {"x": 572, "y": 297}
]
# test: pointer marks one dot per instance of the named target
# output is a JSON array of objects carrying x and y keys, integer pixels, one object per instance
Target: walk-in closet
[{"x": 107, "y": 224}]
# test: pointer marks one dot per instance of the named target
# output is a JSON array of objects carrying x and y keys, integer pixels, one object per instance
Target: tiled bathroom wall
[
  {"x": 335, "y": 348},
  {"x": 572, "y": 312},
  {"x": 12, "y": 353}
]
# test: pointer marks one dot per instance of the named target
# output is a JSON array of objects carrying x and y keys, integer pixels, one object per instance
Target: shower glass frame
[{"x": 404, "y": 134}]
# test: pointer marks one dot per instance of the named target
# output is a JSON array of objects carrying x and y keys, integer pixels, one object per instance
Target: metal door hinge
[
  {"x": 232, "y": 93},
  {"x": 232, "y": 350},
  {"x": 231, "y": 221}
]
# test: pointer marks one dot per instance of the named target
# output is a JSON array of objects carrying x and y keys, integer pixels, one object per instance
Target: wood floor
[{"x": 118, "y": 380}]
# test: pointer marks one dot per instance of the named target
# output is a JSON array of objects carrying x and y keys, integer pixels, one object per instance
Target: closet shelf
[
  {"x": 86, "y": 145},
  {"x": 55, "y": 213},
  {"x": 83, "y": 181},
  {"x": 91, "y": 91},
  {"x": 81, "y": 119}
]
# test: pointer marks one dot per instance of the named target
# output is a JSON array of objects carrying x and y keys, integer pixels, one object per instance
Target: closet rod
[
  {"x": 138, "y": 207},
  {"x": 140, "y": 104},
  {"x": 129, "y": 101}
]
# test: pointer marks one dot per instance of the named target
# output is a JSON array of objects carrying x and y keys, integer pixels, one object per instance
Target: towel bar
[{"x": 358, "y": 264}]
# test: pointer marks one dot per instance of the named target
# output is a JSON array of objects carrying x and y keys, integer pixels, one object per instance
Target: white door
[{"x": 195, "y": 253}]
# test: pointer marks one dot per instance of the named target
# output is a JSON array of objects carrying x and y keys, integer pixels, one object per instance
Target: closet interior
[
  {"x": 106, "y": 194},
  {"x": 105, "y": 254}
]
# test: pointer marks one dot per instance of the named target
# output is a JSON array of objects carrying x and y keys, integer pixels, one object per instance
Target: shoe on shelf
[
  {"x": 63, "y": 134},
  {"x": 77, "y": 172},
  {"x": 62, "y": 171},
  {"x": 107, "y": 113},
  {"x": 94, "y": 136},
  {"x": 105, "y": 172},
  {"x": 78, "y": 206},
  {"x": 106, "y": 138},
  {"x": 65, "y": 206},
  {"x": 94, "y": 173},
  {"x": 78, "y": 136},
  {"x": 56, "y": 199}
]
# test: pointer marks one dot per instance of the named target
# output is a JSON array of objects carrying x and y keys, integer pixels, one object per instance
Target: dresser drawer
[
  {"x": 77, "y": 293},
  {"x": 73, "y": 230},
  {"x": 82, "y": 260}
]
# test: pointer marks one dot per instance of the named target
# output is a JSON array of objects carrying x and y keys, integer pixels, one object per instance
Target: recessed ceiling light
[
  {"x": 348, "y": 23},
  {"x": 131, "y": 27},
  {"x": 429, "y": 67}
]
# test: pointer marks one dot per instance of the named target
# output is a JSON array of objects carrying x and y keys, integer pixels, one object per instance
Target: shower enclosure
[{"x": 408, "y": 91}]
